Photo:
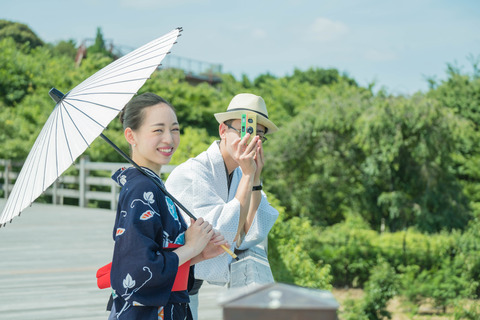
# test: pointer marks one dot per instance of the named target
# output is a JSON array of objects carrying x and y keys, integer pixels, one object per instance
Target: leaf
[
  {"x": 148, "y": 196},
  {"x": 128, "y": 282}
]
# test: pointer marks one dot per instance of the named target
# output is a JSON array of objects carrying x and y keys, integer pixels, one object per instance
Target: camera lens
[
  {"x": 250, "y": 120},
  {"x": 250, "y": 130}
]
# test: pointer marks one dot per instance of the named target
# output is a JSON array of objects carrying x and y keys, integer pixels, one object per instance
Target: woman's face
[{"x": 157, "y": 138}]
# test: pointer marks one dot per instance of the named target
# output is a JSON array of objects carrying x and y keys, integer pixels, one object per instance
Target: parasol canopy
[{"x": 79, "y": 117}]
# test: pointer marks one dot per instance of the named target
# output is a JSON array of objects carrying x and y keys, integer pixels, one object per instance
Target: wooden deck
[{"x": 48, "y": 260}]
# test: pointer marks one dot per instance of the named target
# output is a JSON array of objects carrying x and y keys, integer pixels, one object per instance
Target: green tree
[
  {"x": 15, "y": 76},
  {"x": 20, "y": 33},
  {"x": 319, "y": 77},
  {"x": 66, "y": 48},
  {"x": 313, "y": 163},
  {"x": 25, "y": 79},
  {"x": 407, "y": 170},
  {"x": 460, "y": 92},
  {"x": 195, "y": 105},
  {"x": 387, "y": 158},
  {"x": 99, "y": 46},
  {"x": 263, "y": 78}
]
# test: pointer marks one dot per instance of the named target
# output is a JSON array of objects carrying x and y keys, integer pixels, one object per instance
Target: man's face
[
  {"x": 233, "y": 127},
  {"x": 230, "y": 131}
]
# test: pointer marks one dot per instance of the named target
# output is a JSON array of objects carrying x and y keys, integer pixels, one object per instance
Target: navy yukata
[{"x": 143, "y": 270}]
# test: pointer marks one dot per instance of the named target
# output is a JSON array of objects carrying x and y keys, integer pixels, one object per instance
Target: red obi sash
[
  {"x": 103, "y": 276},
  {"x": 181, "y": 279}
]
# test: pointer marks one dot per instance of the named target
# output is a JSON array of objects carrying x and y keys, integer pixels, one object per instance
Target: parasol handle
[{"x": 158, "y": 184}]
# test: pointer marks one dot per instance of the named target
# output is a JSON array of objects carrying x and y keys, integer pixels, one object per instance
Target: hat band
[{"x": 238, "y": 109}]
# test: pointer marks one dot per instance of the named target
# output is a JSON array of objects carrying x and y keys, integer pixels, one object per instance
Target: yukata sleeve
[
  {"x": 209, "y": 204},
  {"x": 224, "y": 217},
  {"x": 142, "y": 272},
  {"x": 194, "y": 186},
  {"x": 262, "y": 224}
]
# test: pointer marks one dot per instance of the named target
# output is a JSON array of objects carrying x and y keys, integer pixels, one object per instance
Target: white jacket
[{"x": 200, "y": 184}]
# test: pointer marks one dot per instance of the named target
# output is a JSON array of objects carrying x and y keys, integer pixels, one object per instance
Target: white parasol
[{"x": 79, "y": 118}]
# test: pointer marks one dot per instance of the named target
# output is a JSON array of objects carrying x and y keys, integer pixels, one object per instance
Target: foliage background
[{"x": 374, "y": 190}]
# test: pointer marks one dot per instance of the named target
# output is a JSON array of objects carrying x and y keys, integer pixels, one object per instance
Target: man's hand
[
  {"x": 214, "y": 248},
  {"x": 244, "y": 154}
]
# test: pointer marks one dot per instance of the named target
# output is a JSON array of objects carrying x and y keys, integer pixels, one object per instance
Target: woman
[{"x": 151, "y": 239}]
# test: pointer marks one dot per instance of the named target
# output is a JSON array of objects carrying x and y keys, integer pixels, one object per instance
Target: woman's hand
[
  {"x": 198, "y": 235},
  {"x": 213, "y": 248}
]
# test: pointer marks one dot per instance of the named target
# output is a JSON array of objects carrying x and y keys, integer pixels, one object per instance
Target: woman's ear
[{"x": 129, "y": 136}]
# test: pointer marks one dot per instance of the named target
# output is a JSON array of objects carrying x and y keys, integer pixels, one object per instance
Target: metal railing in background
[{"x": 195, "y": 71}]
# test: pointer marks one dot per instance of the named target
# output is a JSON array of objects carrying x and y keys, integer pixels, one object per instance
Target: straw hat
[{"x": 247, "y": 102}]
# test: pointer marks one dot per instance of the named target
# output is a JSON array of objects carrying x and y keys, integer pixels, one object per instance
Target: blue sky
[{"x": 396, "y": 44}]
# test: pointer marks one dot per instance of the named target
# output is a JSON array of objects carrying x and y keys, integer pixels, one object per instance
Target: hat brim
[{"x": 237, "y": 114}]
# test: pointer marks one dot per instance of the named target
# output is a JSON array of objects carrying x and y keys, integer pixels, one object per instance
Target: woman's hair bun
[{"x": 120, "y": 115}]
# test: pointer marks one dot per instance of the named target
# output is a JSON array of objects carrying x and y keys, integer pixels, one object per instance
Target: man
[{"x": 223, "y": 185}]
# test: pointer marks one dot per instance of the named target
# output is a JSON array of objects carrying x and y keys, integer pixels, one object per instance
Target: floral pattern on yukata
[{"x": 147, "y": 222}]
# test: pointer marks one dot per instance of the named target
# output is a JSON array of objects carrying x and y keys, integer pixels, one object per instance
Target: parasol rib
[{"x": 66, "y": 136}]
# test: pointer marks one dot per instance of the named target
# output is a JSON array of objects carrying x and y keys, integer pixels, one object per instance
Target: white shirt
[{"x": 200, "y": 184}]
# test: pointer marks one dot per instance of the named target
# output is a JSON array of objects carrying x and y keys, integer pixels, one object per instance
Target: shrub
[
  {"x": 380, "y": 288},
  {"x": 469, "y": 312},
  {"x": 348, "y": 248},
  {"x": 444, "y": 285},
  {"x": 289, "y": 244}
]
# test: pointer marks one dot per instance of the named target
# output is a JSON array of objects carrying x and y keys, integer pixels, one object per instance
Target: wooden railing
[{"x": 89, "y": 181}]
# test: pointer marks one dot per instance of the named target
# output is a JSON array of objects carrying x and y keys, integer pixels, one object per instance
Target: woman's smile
[{"x": 166, "y": 151}]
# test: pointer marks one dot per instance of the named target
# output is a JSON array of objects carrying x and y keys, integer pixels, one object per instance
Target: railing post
[
  {"x": 6, "y": 185},
  {"x": 82, "y": 183},
  {"x": 55, "y": 192}
]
